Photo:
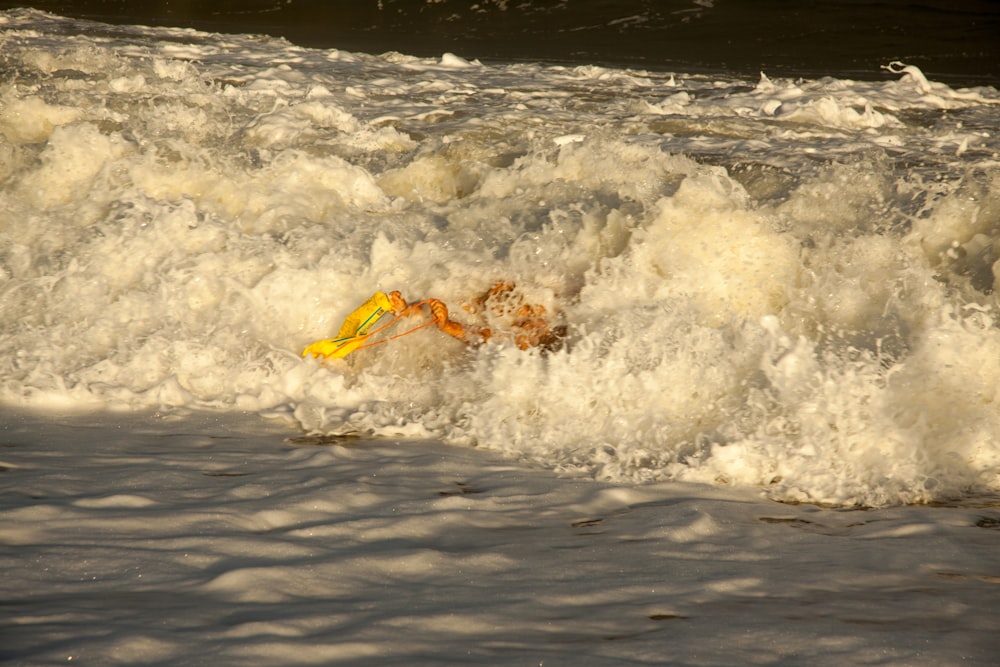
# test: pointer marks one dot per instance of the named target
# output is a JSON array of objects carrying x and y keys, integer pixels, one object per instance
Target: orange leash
[{"x": 406, "y": 311}]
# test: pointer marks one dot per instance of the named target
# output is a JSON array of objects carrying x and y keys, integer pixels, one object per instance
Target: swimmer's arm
[{"x": 466, "y": 334}]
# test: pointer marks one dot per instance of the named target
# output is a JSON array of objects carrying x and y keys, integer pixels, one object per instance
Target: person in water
[{"x": 503, "y": 310}]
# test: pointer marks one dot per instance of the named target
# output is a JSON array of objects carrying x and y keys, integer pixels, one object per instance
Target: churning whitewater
[{"x": 788, "y": 284}]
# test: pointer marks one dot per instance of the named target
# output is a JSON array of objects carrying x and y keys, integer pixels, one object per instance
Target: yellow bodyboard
[{"x": 354, "y": 330}]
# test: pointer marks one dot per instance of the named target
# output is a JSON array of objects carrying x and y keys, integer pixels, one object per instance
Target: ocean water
[
  {"x": 213, "y": 539},
  {"x": 770, "y": 435},
  {"x": 953, "y": 41},
  {"x": 785, "y": 284}
]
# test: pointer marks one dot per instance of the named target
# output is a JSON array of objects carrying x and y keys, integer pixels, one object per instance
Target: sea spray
[{"x": 780, "y": 283}]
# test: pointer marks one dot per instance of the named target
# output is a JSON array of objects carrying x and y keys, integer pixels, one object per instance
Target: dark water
[{"x": 955, "y": 41}]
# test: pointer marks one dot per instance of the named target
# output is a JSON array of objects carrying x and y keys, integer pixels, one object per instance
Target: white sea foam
[{"x": 784, "y": 284}]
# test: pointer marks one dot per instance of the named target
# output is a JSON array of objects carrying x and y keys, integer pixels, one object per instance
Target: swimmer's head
[{"x": 508, "y": 313}]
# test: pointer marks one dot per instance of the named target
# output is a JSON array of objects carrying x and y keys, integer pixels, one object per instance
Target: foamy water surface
[{"x": 774, "y": 283}]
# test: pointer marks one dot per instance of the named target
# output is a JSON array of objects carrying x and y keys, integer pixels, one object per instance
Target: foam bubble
[{"x": 25, "y": 120}]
